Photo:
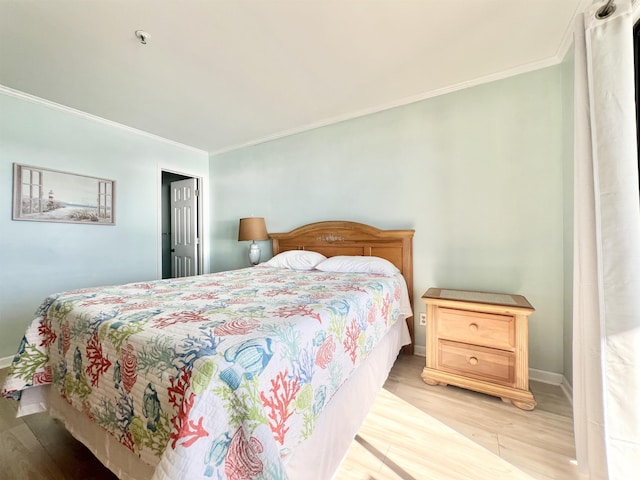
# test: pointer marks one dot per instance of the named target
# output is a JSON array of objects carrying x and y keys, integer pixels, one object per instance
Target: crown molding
[
  {"x": 63, "y": 108},
  {"x": 529, "y": 67}
]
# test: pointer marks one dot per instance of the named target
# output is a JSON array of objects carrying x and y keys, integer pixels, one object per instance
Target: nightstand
[{"x": 479, "y": 341}]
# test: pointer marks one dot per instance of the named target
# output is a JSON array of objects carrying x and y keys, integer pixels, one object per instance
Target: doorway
[{"x": 181, "y": 231}]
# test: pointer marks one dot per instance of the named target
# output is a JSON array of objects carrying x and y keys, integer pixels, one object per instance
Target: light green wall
[
  {"x": 478, "y": 173},
  {"x": 568, "y": 112},
  {"x": 42, "y": 258}
]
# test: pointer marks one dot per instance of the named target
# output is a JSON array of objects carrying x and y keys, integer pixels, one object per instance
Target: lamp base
[{"x": 254, "y": 254}]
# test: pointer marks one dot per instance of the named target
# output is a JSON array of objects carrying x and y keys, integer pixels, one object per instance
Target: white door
[{"x": 184, "y": 228}]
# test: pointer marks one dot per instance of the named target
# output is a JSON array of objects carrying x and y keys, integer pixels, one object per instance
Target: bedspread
[{"x": 214, "y": 376}]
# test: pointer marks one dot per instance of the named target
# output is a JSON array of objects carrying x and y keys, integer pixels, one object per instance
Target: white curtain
[{"x": 606, "y": 336}]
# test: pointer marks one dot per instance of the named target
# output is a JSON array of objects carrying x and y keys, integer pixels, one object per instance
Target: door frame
[{"x": 203, "y": 214}]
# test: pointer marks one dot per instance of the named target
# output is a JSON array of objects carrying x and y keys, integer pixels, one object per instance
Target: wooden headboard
[{"x": 350, "y": 238}]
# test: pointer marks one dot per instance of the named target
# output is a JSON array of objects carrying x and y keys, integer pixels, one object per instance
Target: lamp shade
[{"x": 252, "y": 228}]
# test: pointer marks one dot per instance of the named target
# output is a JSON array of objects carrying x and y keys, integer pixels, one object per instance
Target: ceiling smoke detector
[{"x": 143, "y": 36}]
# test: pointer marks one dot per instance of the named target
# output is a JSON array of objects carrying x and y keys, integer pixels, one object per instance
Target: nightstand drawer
[
  {"x": 478, "y": 328},
  {"x": 488, "y": 364}
]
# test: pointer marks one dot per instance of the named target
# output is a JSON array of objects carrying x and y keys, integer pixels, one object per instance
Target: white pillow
[
  {"x": 358, "y": 264},
  {"x": 296, "y": 260}
]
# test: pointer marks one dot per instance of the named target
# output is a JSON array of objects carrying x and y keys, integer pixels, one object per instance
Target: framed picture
[{"x": 44, "y": 195}]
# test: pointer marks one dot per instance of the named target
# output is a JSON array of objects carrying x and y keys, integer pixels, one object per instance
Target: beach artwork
[{"x": 44, "y": 195}]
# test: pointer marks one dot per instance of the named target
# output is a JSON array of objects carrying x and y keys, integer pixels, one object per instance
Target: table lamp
[{"x": 253, "y": 228}]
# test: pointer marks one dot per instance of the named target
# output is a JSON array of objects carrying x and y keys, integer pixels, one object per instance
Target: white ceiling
[{"x": 220, "y": 74}]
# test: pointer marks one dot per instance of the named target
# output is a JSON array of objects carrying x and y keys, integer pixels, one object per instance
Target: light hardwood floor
[
  {"x": 413, "y": 431},
  {"x": 424, "y": 433}
]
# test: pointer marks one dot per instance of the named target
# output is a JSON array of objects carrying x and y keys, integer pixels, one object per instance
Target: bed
[{"x": 263, "y": 372}]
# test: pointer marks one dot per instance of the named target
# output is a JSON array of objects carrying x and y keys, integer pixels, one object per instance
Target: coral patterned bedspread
[{"x": 215, "y": 376}]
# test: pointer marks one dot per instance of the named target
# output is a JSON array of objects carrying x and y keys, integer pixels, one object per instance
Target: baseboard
[
  {"x": 420, "y": 350},
  {"x": 545, "y": 377},
  {"x": 5, "y": 361},
  {"x": 567, "y": 389}
]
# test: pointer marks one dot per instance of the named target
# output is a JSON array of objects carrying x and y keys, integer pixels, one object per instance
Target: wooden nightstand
[{"x": 479, "y": 341}]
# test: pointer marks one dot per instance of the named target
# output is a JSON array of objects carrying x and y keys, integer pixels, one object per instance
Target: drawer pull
[
  {"x": 473, "y": 360},
  {"x": 473, "y": 327}
]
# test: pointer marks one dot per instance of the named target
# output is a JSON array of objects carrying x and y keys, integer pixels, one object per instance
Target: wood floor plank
[
  {"x": 440, "y": 407},
  {"x": 538, "y": 462},
  {"x": 8, "y": 418},
  {"x": 361, "y": 463},
  {"x": 72, "y": 457},
  {"x": 539, "y": 442},
  {"x": 417, "y": 443},
  {"x": 22, "y": 456},
  {"x": 551, "y": 399}
]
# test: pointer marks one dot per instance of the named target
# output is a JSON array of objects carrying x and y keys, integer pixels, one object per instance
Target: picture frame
[{"x": 45, "y": 195}]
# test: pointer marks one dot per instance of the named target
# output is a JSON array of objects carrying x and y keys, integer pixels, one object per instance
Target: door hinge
[{"x": 197, "y": 192}]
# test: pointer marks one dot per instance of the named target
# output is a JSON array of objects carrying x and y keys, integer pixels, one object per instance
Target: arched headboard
[{"x": 350, "y": 238}]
